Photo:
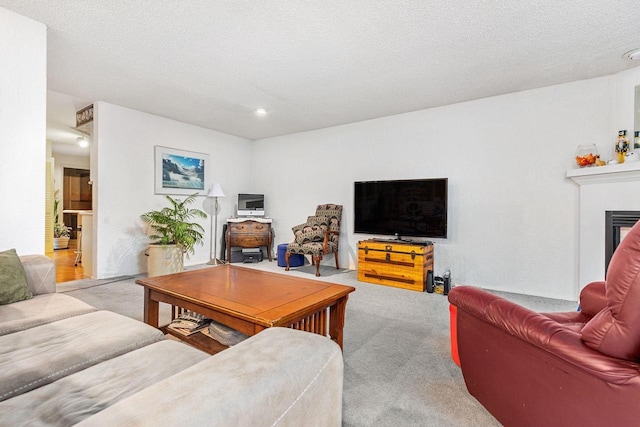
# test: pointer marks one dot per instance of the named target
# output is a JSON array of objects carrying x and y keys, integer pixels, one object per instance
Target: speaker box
[
  {"x": 223, "y": 246},
  {"x": 447, "y": 282},
  {"x": 430, "y": 285}
]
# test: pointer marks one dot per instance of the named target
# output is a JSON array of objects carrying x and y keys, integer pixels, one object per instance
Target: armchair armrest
[
  {"x": 325, "y": 242},
  {"x": 514, "y": 319},
  {"x": 593, "y": 298},
  {"x": 542, "y": 332},
  {"x": 41, "y": 273}
]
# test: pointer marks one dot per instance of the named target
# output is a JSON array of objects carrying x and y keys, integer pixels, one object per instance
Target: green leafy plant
[
  {"x": 174, "y": 225},
  {"x": 59, "y": 229},
  {"x": 56, "y": 203}
]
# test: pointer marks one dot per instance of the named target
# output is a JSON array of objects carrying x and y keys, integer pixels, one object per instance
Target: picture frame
[{"x": 181, "y": 172}]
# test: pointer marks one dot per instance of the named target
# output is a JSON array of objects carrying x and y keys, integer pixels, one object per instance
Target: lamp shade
[{"x": 216, "y": 191}]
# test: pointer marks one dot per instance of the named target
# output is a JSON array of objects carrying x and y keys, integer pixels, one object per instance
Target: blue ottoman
[{"x": 295, "y": 260}]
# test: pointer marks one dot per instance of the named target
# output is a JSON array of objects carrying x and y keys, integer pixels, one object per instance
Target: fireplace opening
[{"x": 617, "y": 225}]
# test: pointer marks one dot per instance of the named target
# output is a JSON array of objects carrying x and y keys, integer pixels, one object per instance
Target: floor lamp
[{"x": 215, "y": 192}]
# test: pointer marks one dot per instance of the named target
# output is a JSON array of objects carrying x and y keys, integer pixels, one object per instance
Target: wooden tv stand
[{"x": 395, "y": 263}]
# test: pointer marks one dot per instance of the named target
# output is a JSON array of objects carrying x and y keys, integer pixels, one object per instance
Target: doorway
[
  {"x": 77, "y": 196},
  {"x": 69, "y": 146},
  {"x": 76, "y": 199}
]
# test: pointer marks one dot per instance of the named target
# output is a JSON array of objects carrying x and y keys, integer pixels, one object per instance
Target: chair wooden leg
[
  {"x": 316, "y": 261},
  {"x": 337, "y": 262},
  {"x": 286, "y": 260}
]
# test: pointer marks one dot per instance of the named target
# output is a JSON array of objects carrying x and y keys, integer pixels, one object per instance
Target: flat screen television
[
  {"x": 413, "y": 207},
  {"x": 250, "y": 205}
]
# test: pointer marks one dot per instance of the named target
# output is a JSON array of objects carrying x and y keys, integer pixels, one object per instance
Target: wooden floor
[{"x": 65, "y": 259}]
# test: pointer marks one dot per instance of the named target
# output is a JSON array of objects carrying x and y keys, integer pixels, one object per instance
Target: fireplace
[
  {"x": 617, "y": 225},
  {"x": 610, "y": 188}
]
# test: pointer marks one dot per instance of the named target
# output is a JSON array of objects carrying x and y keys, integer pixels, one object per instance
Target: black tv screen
[{"x": 415, "y": 207}]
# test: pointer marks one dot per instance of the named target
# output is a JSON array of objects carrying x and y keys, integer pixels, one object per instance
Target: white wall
[
  {"x": 123, "y": 175},
  {"x": 23, "y": 81},
  {"x": 625, "y": 83},
  {"x": 512, "y": 214},
  {"x": 607, "y": 193}
]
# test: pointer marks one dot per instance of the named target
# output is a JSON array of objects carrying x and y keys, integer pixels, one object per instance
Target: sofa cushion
[
  {"x": 39, "y": 310},
  {"x": 615, "y": 330},
  {"x": 322, "y": 221},
  {"x": 298, "y": 228},
  {"x": 13, "y": 279},
  {"x": 279, "y": 377},
  {"x": 333, "y": 213},
  {"x": 34, "y": 357},
  {"x": 78, "y": 396},
  {"x": 310, "y": 234},
  {"x": 312, "y": 248}
]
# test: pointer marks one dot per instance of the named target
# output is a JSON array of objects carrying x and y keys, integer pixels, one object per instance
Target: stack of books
[
  {"x": 189, "y": 323},
  {"x": 224, "y": 334}
]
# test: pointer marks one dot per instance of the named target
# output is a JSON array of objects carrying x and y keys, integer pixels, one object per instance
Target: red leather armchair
[{"x": 557, "y": 369}]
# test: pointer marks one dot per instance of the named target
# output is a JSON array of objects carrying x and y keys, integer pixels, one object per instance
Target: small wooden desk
[
  {"x": 249, "y": 233},
  {"x": 249, "y": 301}
]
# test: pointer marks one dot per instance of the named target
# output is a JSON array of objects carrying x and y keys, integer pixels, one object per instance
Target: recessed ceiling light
[
  {"x": 261, "y": 112},
  {"x": 82, "y": 141},
  {"x": 632, "y": 54}
]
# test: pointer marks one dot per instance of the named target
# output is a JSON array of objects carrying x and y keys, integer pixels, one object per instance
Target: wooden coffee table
[{"x": 249, "y": 301}]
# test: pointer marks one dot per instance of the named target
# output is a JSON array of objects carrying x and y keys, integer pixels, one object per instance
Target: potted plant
[
  {"x": 61, "y": 236},
  {"x": 173, "y": 234},
  {"x": 61, "y": 233}
]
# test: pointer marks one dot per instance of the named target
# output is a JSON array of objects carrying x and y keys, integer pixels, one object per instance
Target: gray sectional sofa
[{"x": 63, "y": 362}]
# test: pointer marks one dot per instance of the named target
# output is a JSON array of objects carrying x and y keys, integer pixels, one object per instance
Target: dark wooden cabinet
[{"x": 248, "y": 234}]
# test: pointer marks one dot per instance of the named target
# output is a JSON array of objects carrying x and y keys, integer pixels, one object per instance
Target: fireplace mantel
[
  {"x": 624, "y": 172},
  {"x": 601, "y": 189}
]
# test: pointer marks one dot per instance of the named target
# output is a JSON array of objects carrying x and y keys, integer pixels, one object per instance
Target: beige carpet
[{"x": 398, "y": 367}]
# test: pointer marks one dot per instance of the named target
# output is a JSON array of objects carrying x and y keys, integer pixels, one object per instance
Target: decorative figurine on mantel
[
  {"x": 600, "y": 162},
  {"x": 622, "y": 145}
]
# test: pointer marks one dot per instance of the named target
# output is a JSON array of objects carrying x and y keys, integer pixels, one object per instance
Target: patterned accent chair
[{"x": 318, "y": 236}]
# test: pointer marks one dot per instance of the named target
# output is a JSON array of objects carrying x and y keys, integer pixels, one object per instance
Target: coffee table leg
[
  {"x": 151, "y": 309},
  {"x": 336, "y": 320}
]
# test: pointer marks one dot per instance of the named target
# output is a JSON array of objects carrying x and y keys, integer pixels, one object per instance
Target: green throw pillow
[{"x": 13, "y": 279}]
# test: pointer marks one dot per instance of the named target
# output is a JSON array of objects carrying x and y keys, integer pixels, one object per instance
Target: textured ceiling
[{"x": 314, "y": 64}]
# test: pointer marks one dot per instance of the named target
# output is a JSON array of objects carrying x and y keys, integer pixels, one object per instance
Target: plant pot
[
  {"x": 60, "y": 242},
  {"x": 164, "y": 259}
]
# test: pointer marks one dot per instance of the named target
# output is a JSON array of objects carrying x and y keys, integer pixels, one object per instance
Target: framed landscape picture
[{"x": 181, "y": 172}]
